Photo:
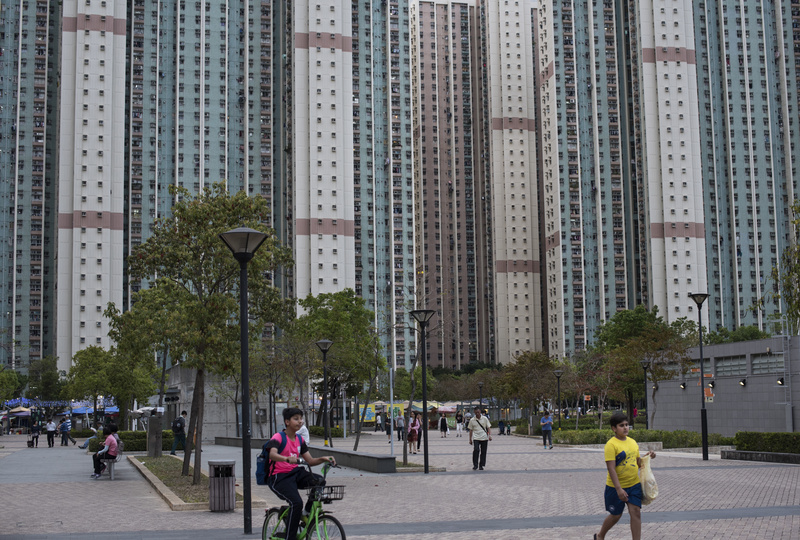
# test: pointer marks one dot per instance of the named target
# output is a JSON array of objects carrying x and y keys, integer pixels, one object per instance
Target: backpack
[
  {"x": 265, "y": 466},
  {"x": 177, "y": 425}
]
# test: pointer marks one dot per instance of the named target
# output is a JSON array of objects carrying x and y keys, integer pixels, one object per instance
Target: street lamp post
[
  {"x": 324, "y": 345},
  {"x": 558, "y": 373},
  {"x": 422, "y": 316},
  {"x": 480, "y": 396},
  {"x": 243, "y": 243},
  {"x": 645, "y": 364},
  {"x": 699, "y": 298}
]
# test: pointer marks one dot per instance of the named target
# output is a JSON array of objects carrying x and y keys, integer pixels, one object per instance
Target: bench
[{"x": 111, "y": 462}]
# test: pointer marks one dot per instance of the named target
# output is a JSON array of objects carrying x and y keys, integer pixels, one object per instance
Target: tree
[
  {"x": 634, "y": 335},
  {"x": 8, "y": 384},
  {"x": 529, "y": 378},
  {"x": 343, "y": 318},
  {"x": 743, "y": 333},
  {"x": 45, "y": 381},
  {"x": 185, "y": 251},
  {"x": 89, "y": 375},
  {"x": 786, "y": 278}
]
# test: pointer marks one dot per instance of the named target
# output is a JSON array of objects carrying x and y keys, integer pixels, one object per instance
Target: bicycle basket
[{"x": 328, "y": 493}]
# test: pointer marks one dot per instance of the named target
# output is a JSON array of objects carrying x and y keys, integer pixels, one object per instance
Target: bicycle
[{"x": 318, "y": 524}]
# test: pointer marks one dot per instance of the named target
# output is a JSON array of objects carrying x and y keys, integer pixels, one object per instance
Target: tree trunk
[
  {"x": 364, "y": 412},
  {"x": 631, "y": 419},
  {"x": 194, "y": 438}
]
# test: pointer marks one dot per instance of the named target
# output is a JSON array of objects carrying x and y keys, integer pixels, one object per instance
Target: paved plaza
[{"x": 526, "y": 492}]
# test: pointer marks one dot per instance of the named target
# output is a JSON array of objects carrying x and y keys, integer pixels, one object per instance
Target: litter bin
[{"x": 221, "y": 486}]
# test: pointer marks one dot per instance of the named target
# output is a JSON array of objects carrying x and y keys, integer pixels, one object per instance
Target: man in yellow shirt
[{"x": 622, "y": 483}]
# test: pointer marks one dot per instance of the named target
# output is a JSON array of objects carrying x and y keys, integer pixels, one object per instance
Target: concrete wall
[{"x": 760, "y": 405}]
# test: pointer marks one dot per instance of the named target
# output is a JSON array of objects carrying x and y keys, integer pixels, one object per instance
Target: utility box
[{"x": 221, "y": 486}]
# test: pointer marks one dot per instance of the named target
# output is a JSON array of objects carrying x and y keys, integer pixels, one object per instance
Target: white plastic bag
[{"x": 649, "y": 486}]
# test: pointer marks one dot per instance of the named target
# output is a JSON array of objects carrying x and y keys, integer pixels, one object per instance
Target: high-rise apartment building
[
  {"x": 30, "y": 43},
  {"x": 748, "y": 80},
  {"x": 515, "y": 226},
  {"x": 451, "y": 234},
  {"x": 381, "y": 149}
]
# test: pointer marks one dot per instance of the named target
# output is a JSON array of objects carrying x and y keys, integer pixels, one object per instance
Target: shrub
[
  {"x": 136, "y": 441},
  {"x": 786, "y": 443},
  {"x": 670, "y": 439},
  {"x": 319, "y": 431}
]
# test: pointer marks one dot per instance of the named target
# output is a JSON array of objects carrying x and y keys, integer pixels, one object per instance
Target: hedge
[
  {"x": 319, "y": 431},
  {"x": 136, "y": 441},
  {"x": 670, "y": 439},
  {"x": 750, "y": 441}
]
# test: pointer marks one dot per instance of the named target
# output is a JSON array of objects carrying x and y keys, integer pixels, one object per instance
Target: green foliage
[
  {"x": 343, "y": 318},
  {"x": 319, "y": 431},
  {"x": 45, "y": 381},
  {"x": 8, "y": 384},
  {"x": 201, "y": 279},
  {"x": 402, "y": 383},
  {"x": 743, "y": 333},
  {"x": 88, "y": 376},
  {"x": 786, "y": 443},
  {"x": 670, "y": 439},
  {"x": 530, "y": 378},
  {"x": 135, "y": 441}
]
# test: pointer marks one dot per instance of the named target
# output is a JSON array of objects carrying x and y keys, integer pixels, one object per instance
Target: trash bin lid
[{"x": 221, "y": 463}]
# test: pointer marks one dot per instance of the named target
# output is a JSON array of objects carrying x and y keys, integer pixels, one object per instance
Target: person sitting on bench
[{"x": 109, "y": 451}]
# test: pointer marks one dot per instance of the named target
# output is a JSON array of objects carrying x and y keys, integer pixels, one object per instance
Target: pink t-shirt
[
  {"x": 111, "y": 442},
  {"x": 292, "y": 448}
]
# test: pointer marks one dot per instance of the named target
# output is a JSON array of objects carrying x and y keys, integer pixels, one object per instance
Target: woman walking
[{"x": 413, "y": 433}]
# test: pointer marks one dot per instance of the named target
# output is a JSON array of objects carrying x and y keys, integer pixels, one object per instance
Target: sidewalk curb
[{"x": 172, "y": 500}]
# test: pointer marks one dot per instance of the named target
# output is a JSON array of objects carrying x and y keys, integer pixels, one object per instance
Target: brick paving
[{"x": 526, "y": 492}]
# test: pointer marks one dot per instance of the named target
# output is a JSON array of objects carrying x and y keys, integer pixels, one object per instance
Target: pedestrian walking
[
  {"x": 387, "y": 425},
  {"x": 378, "y": 422},
  {"x": 623, "y": 487},
  {"x": 51, "y": 433},
  {"x": 547, "y": 429},
  {"x": 480, "y": 434},
  {"x": 459, "y": 423},
  {"x": 179, "y": 432},
  {"x": 35, "y": 430},
  {"x": 443, "y": 426},
  {"x": 65, "y": 427},
  {"x": 413, "y": 433},
  {"x": 400, "y": 423}
]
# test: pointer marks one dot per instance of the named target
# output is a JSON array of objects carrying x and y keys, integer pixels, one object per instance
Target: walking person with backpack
[
  {"x": 284, "y": 477},
  {"x": 179, "y": 432}
]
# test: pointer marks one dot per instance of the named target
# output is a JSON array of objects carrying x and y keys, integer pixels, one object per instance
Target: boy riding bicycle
[{"x": 285, "y": 477}]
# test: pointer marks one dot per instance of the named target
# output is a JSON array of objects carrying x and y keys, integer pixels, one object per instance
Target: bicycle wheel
[
  {"x": 272, "y": 524},
  {"x": 328, "y": 528}
]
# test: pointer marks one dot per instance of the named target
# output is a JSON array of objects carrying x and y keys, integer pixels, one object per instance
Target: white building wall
[
  {"x": 674, "y": 196},
  {"x": 91, "y": 174},
  {"x": 324, "y": 216}
]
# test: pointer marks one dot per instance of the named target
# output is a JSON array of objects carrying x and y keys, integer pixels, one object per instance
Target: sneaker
[
  {"x": 551, "y": 447},
  {"x": 480, "y": 468},
  {"x": 95, "y": 476},
  {"x": 474, "y": 468}
]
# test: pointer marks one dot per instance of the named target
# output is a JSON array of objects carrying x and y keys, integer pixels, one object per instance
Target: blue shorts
[{"x": 615, "y": 506}]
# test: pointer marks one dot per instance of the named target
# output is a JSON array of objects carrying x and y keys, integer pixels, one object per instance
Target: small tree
[
  {"x": 89, "y": 376},
  {"x": 185, "y": 250}
]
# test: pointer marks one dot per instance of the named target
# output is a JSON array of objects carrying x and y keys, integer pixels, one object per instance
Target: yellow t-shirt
[{"x": 624, "y": 454}]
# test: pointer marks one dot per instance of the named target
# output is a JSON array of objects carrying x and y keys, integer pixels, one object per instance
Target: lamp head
[
  {"x": 324, "y": 345},
  {"x": 558, "y": 373},
  {"x": 645, "y": 364},
  {"x": 711, "y": 384},
  {"x": 698, "y": 298},
  {"x": 422, "y": 316},
  {"x": 781, "y": 382},
  {"x": 743, "y": 382},
  {"x": 683, "y": 386},
  {"x": 243, "y": 242}
]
